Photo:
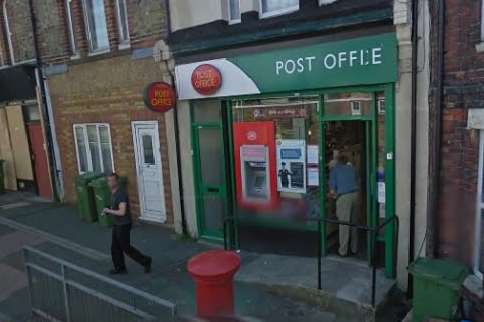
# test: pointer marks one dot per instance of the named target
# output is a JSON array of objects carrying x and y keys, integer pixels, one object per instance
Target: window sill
[
  {"x": 76, "y": 56},
  {"x": 234, "y": 21},
  {"x": 124, "y": 46},
  {"x": 280, "y": 12},
  {"x": 326, "y": 2},
  {"x": 480, "y": 47},
  {"x": 97, "y": 53}
]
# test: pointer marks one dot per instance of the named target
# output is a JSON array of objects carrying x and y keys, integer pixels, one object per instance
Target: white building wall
[
  {"x": 189, "y": 13},
  {"x": 403, "y": 24}
]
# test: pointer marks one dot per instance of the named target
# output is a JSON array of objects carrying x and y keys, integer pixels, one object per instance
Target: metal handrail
[
  {"x": 62, "y": 277},
  {"x": 374, "y": 233}
]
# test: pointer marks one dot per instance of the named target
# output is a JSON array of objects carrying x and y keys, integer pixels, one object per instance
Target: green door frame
[
  {"x": 371, "y": 128},
  {"x": 389, "y": 147},
  {"x": 201, "y": 189}
]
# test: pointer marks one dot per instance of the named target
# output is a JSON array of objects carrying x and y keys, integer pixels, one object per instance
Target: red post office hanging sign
[
  {"x": 160, "y": 97},
  {"x": 206, "y": 79}
]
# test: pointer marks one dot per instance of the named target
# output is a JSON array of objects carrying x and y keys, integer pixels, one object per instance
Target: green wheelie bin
[
  {"x": 85, "y": 197},
  {"x": 436, "y": 285},
  {"x": 2, "y": 177},
  {"x": 102, "y": 196}
]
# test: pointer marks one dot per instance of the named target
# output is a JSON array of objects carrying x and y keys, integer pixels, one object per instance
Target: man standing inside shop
[
  {"x": 121, "y": 243},
  {"x": 343, "y": 187}
]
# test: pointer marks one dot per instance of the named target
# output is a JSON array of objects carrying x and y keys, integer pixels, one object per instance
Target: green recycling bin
[
  {"x": 436, "y": 285},
  {"x": 102, "y": 196},
  {"x": 85, "y": 196},
  {"x": 2, "y": 177}
]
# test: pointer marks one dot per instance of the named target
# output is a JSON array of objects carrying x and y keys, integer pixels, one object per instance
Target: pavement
[{"x": 268, "y": 287}]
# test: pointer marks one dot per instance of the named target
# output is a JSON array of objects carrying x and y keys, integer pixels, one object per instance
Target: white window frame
[
  {"x": 480, "y": 45},
  {"x": 70, "y": 26},
  {"x": 479, "y": 207},
  {"x": 229, "y": 15},
  {"x": 276, "y": 13},
  {"x": 8, "y": 32},
  {"x": 482, "y": 21},
  {"x": 88, "y": 150},
  {"x": 125, "y": 41},
  {"x": 92, "y": 51}
]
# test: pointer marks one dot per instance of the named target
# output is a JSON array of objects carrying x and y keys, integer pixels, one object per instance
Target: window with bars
[
  {"x": 93, "y": 147},
  {"x": 234, "y": 11},
  {"x": 71, "y": 29},
  {"x": 269, "y": 8},
  {"x": 96, "y": 26},
  {"x": 122, "y": 18}
]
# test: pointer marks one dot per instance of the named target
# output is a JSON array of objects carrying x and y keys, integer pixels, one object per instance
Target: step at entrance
[{"x": 346, "y": 282}]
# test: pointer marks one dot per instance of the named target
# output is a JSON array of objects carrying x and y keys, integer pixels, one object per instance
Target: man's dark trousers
[{"x": 121, "y": 244}]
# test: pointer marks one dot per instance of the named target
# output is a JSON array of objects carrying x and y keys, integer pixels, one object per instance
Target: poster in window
[{"x": 291, "y": 165}]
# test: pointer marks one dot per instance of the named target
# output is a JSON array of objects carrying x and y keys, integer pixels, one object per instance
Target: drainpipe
[
  {"x": 177, "y": 132},
  {"x": 40, "y": 83},
  {"x": 413, "y": 138},
  {"x": 436, "y": 133}
]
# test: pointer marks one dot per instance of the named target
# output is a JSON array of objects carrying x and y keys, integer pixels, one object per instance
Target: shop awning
[{"x": 17, "y": 83}]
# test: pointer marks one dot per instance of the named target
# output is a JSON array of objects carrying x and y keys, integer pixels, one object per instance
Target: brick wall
[
  {"x": 147, "y": 22},
  {"x": 463, "y": 83},
  {"x": 108, "y": 91},
  {"x": 20, "y": 24},
  {"x": 51, "y": 28}
]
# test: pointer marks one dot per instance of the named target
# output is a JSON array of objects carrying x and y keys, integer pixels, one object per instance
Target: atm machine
[{"x": 255, "y": 165}]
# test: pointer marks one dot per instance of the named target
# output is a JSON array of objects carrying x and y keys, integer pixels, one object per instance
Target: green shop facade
[{"x": 266, "y": 128}]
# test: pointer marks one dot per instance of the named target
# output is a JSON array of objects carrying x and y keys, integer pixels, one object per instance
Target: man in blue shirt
[{"x": 344, "y": 188}]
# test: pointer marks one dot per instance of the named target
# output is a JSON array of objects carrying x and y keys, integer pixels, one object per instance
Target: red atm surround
[{"x": 250, "y": 139}]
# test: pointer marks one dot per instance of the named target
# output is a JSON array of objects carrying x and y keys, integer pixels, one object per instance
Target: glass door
[{"x": 210, "y": 168}]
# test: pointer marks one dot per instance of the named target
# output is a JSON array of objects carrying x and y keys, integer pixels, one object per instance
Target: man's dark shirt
[
  {"x": 118, "y": 197},
  {"x": 284, "y": 174}
]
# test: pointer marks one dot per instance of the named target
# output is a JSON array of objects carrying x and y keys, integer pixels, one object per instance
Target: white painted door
[{"x": 149, "y": 171}]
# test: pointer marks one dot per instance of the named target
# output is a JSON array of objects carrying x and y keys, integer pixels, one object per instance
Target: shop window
[
  {"x": 348, "y": 104},
  {"x": 234, "y": 11},
  {"x": 8, "y": 32},
  {"x": 122, "y": 17},
  {"x": 270, "y": 8},
  {"x": 93, "y": 147},
  {"x": 96, "y": 28},
  {"x": 276, "y": 150},
  {"x": 479, "y": 231},
  {"x": 71, "y": 28}
]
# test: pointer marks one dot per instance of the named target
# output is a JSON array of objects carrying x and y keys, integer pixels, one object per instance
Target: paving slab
[
  {"x": 12, "y": 281},
  {"x": 341, "y": 277}
]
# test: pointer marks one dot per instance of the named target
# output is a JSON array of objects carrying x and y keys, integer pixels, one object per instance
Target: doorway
[
  {"x": 39, "y": 160},
  {"x": 149, "y": 171},
  {"x": 348, "y": 151},
  {"x": 209, "y": 144}
]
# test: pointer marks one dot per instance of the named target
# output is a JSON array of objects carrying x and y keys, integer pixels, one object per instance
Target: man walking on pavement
[
  {"x": 343, "y": 187},
  {"x": 121, "y": 243}
]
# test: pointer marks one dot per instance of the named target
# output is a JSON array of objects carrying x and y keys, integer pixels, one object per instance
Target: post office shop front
[{"x": 267, "y": 126}]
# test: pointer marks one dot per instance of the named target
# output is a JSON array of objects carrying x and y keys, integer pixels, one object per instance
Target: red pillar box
[{"x": 213, "y": 273}]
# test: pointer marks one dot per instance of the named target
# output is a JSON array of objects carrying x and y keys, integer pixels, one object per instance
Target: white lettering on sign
[
  {"x": 299, "y": 65},
  {"x": 330, "y": 61}
]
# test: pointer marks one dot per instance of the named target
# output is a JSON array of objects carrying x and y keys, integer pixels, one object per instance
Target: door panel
[
  {"x": 149, "y": 171},
  {"x": 211, "y": 181},
  {"x": 39, "y": 157}
]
